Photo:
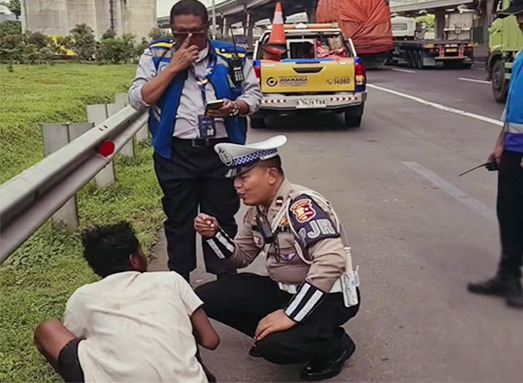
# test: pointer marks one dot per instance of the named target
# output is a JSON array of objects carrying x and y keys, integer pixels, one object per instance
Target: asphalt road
[{"x": 419, "y": 233}]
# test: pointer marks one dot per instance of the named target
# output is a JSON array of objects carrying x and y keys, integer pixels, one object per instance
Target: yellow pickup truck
[{"x": 319, "y": 72}]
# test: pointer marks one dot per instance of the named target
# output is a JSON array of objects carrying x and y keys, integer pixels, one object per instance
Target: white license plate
[{"x": 311, "y": 104}]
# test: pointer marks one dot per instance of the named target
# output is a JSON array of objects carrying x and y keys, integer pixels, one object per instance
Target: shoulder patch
[{"x": 310, "y": 221}]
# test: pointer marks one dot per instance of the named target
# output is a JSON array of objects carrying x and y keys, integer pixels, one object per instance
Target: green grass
[{"x": 37, "y": 280}]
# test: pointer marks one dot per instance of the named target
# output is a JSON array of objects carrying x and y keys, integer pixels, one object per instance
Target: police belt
[{"x": 293, "y": 289}]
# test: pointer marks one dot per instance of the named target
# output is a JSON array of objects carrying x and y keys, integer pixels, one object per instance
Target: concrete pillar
[
  {"x": 224, "y": 26},
  {"x": 311, "y": 12}
]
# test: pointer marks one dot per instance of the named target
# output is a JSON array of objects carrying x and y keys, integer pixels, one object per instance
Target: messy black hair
[
  {"x": 190, "y": 7},
  {"x": 107, "y": 247},
  {"x": 273, "y": 162}
]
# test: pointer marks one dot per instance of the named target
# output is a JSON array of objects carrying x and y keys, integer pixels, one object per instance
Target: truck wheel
[
  {"x": 419, "y": 59},
  {"x": 258, "y": 122},
  {"x": 410, "y": 62},
  {"x": 353, "y": 116},
  {"x": 499, "y": 84},
  {"x": 466, "y": 66}
]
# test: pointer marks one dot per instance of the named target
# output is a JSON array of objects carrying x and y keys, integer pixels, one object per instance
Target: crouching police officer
[{"x": 295, "y": 314}]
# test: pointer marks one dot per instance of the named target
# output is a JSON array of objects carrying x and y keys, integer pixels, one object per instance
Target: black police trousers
[
  {"x": 242, "y": 300},
  {"x": 510, "y": 213},
  {"x": 193, "y": 180}
]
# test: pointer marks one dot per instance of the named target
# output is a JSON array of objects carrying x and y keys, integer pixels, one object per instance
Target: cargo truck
[
  {"x": 366, "y": 22},
  {"x": 505, "y": 41},
  {"x": 418, "y": 48}
]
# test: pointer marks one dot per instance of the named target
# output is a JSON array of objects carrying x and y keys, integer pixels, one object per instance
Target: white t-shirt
[{"x": 137, "y": 328}]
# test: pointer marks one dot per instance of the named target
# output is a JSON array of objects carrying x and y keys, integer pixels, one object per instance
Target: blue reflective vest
[
  {"x": 162, "y": 115},
  {"x": 514, "y": 110}
]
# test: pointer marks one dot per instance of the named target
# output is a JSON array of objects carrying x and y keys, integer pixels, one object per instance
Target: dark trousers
[
  {"x": 510, "y": 213},
  {"x": 242, "y": 300},
  {"x": 193, "y": 180}
]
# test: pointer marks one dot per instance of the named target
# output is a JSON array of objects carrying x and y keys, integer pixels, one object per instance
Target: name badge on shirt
[{"x": 206, "y": 127}]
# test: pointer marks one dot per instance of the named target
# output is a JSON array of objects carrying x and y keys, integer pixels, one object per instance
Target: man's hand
[
  {"x": 184, "y": 56},
  {"x": 224, "y": 111},
  {"x": 496, "y": 154},
  {"x": 274, "y": 322},
  {"x": 206, "y": 225}
]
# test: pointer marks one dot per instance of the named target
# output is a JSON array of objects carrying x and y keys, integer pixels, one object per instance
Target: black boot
[
  {"x": 501, "y": 284},
  {"x": 515, "y": 300},
  {"x": 254, "y": 352},
  {"x": 333, "y": 366}
]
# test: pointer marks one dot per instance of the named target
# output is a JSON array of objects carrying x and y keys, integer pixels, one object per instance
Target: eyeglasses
[{"x": 184, "y": 34}]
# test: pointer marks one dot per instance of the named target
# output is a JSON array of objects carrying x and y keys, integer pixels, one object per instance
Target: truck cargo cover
[{"x": 366, "y": 22}]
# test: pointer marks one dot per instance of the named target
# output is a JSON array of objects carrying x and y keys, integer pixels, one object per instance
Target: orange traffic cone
[
  {"x": 275, "y": 48},
  {"x": 278, "y": 32}
]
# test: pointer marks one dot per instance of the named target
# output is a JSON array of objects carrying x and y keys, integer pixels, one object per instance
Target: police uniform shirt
[
  {"x": 311, "y": 229},
  {"x": 191, "y": 101}
]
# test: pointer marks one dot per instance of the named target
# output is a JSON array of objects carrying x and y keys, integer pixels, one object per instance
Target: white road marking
[
  {"x": 438, "y": 106},
  {"x": 474, "y": 80},
  {"x": 403, "y": 70},
  {"x": 454, "y": 191}
]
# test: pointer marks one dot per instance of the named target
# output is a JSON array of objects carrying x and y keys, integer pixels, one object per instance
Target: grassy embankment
[{"x": 36, "y": 281}]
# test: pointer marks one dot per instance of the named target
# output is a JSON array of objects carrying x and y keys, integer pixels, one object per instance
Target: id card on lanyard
[{"x": 206, "y": 124}]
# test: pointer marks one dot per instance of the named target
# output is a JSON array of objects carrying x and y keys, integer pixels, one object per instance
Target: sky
[{"x": 164, "y": 6}]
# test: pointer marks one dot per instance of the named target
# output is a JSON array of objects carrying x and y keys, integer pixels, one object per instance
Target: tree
[
  {"x": 116, "y": 50},
  {"x": 142, "y": 46},
  {"x": 109, "y": 34},
  {"x": 8, "y": 28},
  {"x": 157, "y": 34},
  {"x": 82, "y": 42},
  {"x": 14, "y": 6},
  {"x": 38, "y": 39},
  {"x": 11, "y": 41}
]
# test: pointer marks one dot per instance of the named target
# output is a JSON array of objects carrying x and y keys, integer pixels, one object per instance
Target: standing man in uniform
[
  {"x": 295, "y": 314},
  {"x": 508, "y": 153},
  {"x": 178, "y": 81}
]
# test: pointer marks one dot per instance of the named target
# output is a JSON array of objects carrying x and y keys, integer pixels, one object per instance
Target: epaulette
[{"x": 162, "y": 44}]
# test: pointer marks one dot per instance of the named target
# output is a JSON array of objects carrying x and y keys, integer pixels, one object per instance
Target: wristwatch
[{"x": 236, "y": 109}]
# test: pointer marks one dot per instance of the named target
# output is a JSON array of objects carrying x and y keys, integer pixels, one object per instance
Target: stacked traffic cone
[{"x": 277, "y": 45}]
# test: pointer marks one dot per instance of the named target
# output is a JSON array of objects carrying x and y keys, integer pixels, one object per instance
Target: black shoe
[
  {"x": 501, "y": 284},
  {"x": 254, "y": 352},
  {"x": 515, "y": 300},
  {"x": 332, "y": 367}
]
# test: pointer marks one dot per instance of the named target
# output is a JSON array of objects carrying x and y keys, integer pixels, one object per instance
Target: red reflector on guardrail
[{"x": 106, "y": 148}]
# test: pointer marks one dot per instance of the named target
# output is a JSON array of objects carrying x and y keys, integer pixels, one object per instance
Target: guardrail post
[
  {"x": 128, "y": 148},
  {"x": 143, "y": 134},
  {"x": 97, "y": 114},
  {"x": 55, "y": 137}
]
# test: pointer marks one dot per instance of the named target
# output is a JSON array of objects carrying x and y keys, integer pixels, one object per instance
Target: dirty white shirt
[{"x": 136, "y": 328}]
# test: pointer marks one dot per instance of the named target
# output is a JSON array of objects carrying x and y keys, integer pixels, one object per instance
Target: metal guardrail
[{"x": 32, "y": 197}]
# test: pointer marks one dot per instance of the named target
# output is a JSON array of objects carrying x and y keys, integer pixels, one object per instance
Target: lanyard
[{"x": 203, "y": 81}]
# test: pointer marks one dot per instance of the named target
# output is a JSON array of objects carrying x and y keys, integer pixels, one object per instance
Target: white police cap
[{"x": 241, "y": 158}]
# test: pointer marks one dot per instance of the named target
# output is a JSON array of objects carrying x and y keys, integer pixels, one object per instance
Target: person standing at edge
[
  {"x": 177, "y": 80},
  {"x": 508, "y": 153}
]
